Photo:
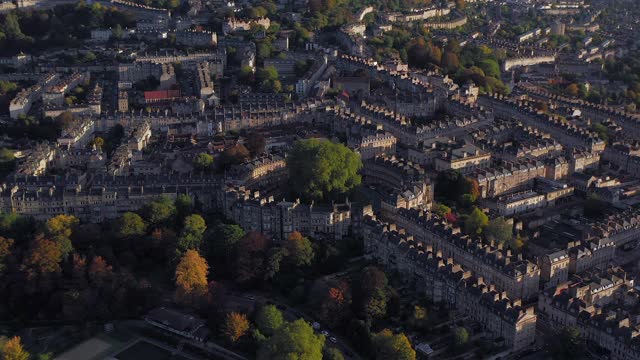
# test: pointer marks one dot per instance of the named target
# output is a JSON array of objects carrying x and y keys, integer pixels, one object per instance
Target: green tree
[
  {"x": 490, "y": 68},
  {"x": 130, "y": 225},
  {"x": 269, "y": 319},
  {"x": 268, "y": 73},
  {"x": 59, "y": 230},
  {"x": 441, "y": 210},
  {"x": 300, "y": 250},
  {"x": 275, "y": 256},
  {"x": 7, "y": 86},
  {"x": 118, "y": 32},
  {"x": 295, "y": 340},
  {"x": 370, "y": 297},
  {"x": 390, "y": 346},
  {"x": 184, "y": 206},
  {"x": 460, "y": 336},
  {"x": 6, "y": 155},
  {"x": 11, "y": 26},
  {"x": 221, "y": 241},
  {"x": 203, "y": 161},
  {"x": 159, "y": 211},
  {"x": 476, "y": 222},
  {"x": 320, "y": 169},
  {"x": 419, "y": 317},
  {"x": 499, "y": 230},
  {"x": 192, "y": 233}
]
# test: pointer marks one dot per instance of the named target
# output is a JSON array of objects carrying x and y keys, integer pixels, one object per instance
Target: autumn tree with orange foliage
[
  {"x": 44, "y": 257},
  {"x": 191, "y": 278},
  {"x": 13, "y": 350},
  {"x": 335, "y": 303},
  {"x": 99, "y": 271},
  {"x": 236, "y": 326}
]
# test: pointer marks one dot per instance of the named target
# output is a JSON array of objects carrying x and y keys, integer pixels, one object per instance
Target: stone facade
[
  {"x": 442, "y": 280},
  {"x": 602, "y": 306},
  {"x": 517, "y": 277}
]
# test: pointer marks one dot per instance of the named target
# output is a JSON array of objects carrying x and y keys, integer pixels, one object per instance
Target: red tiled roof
[{"x": 161, "y": 95}]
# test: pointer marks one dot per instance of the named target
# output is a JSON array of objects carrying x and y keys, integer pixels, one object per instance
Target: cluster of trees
[
  {"x": 274, "y": 338},
  {"x": 266, "y": 78},
  {"x": 627, "y": 70},
  {"x": 62, "y": 26},
  {"x": 356, "y": 306},
  {"x": 7, "y": 87},
  {"x": 462, "y": 193},
  {"x": 69, "y": 270},
  {"x": 454, "y": 188},
  {"x": 323, "y": 170},
  {"x": 252, "y": 260},
  {"x": 479, "y": 64}
]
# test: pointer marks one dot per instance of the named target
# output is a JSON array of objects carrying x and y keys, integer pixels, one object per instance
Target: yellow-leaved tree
[{"x": 191, "y": 278}]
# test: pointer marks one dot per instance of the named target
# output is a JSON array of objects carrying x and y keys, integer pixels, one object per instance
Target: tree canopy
[
  {"x": 130, "y": 224},
  {"x": 191, "y": 277},
  {"x": 294, "y": 340},
  {"x": 390, "y": 346},
  {"x": 370, "y": 296},
  {"x": 322, "y": 170},
  {"x": 159, "y": 211},
  {"x": 59, "y": 230},
  {"x": 300, "y": 249},
  {"x": 460, "y": 336},
  {"x": 192, "y": 233},
  {"x": 203, "y": 161},
  {"x": 269, "y": 319},
  {"x": 476, "y": 222},
  {"x": 236, "y": 326},
  {"x": 44, "y": 257},
  {"x": 13, "y": 350},
  {"x": 500, "y": 230}
]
